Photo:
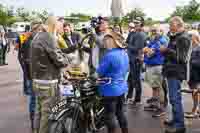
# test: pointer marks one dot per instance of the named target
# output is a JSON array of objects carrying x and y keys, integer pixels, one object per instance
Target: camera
[
  {"x": 95, "y": 21},
  {"x": 86, "y": 30}
]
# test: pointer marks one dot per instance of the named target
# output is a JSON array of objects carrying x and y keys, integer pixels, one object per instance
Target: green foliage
[
  {"x": 6, "y": 18},
  {"x": 23, "y": 14},
  {"x": 189, "y": 13},
  {"x": 43, "y": 15},
  {"x": 137, "y": 12},
  {"x": 81, "y": 16}
]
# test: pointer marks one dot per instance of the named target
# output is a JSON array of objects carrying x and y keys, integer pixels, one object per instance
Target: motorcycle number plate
[{"x": 59, "y": 106}]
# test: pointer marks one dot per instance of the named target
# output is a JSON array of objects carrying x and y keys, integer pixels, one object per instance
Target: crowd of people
[{"x": 165, "y": 60}]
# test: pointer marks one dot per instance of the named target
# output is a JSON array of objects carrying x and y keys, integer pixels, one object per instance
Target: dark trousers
[
  {"x": 5, "y": 48},
  {"x": 115, "y": 111},
  {"x": 1, "y": 56},
  {"x": 165, "y": 90},
  {"x": 134, "y": 80},
  {"x": 25, "y": 73}
]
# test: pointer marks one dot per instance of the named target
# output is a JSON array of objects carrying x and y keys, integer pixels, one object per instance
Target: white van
[{"x": 21, "y": 26}]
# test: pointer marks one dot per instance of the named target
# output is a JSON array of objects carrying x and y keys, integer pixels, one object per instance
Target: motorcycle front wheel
[
  {"x": 56, "y": 127},
  {"x": 68, "y": 124}
]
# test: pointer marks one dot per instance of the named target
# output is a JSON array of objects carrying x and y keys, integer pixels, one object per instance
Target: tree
[
  {"x": 23, "y": 14},
  {"x": 136, "y": 12},
  {"x": 190, "y": 12},
  {"x": 150, "y": 21},
  {"x": 11, "y": 11},
  {"x": 43, "y": 15},
  {"x": 81, "y": 16},
  {"x": 6, "y": 18}
]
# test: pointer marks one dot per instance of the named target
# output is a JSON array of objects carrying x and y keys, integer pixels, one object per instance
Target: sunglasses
[
  {"x": 153, "y": 31},
  {"x": 131, "y": 27}
]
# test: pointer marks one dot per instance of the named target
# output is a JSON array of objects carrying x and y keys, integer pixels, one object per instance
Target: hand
[
  {"x": 150, "y": 51},
  {"x": 141, "y": 58},
  {"x": 145, "y": 49},
  {"x": 163, "y": 49}
]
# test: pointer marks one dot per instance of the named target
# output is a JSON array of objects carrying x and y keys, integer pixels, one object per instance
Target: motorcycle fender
[
  {"x": 56, "y": 117},
  {"x": 70, "y": 110}
]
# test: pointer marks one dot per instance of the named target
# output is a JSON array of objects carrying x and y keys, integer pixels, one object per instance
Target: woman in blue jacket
[{"x": 115, "y": 66}]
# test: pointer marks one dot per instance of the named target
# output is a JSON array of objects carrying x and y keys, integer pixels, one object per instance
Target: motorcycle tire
[
  {"x": 56, "y": 127},
  {"x": 73, "y": 123},
  {"x": 65, "y": 126}
]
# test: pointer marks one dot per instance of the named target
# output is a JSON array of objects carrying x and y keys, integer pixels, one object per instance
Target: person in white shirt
[{"x": 4, "y": 48}]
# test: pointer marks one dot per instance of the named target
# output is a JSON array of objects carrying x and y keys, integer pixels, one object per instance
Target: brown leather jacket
[{"x": 46, "y": 59}]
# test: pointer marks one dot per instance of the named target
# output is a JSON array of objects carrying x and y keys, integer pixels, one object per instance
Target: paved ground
[{"x": 14, "y": 115}]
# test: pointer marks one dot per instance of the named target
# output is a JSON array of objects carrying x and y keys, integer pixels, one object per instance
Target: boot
[{"x": 124, "y": 130}]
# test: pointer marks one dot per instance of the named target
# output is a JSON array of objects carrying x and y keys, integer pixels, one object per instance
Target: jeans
[
  {"x": 31, "y": 96},
  {"x": 4, "y": 53},
  {"x": 175, "y": 99},
  {"x": 25, "y": 78},
  {"x": 115, "y": 111},
  {"x": 165, "y": 89}
]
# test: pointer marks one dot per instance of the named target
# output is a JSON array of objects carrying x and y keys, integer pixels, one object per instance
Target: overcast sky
[{"x": 157, "y": 9}]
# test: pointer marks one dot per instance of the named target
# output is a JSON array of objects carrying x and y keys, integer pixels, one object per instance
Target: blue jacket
[
  {"x": 157, "y": 58},
  {"x": 114, "y": 65}
]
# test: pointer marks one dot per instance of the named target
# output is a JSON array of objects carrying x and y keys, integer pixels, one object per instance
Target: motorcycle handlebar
[{"x": 96, "y": 81}]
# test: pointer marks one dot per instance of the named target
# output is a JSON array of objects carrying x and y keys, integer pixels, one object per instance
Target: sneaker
[
  {"x": 135, "y": 104},
  {"x": 151, "y": 108},
  {"x": 168, "y": 123},
  {"x": 176, "y": 130},
  {"x": 151, "y": 100},
  {"x": 191, "y": 115},
  {"x": 159, "y": 113},
  {"x": 129, "y": 101}
]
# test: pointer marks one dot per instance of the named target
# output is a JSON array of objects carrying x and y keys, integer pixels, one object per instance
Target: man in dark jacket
[
  {"x": 136, "y": 42},
  {"x": 177, "y": 56},
  {"x": 46, "y": 64}
]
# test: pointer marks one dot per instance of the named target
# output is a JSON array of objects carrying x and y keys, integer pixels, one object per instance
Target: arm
[
  {"x": 164, "y": 42},
  {"x": 69, "y": 50},
  {"x": 184, "y": 49},
  {"x": 91, "y": 40},
  {"x": 170, "y": 53},
  {"x": 128, "y": 38},
  {"x": 104, "y": 65},
  {"x": 54, "y": 53}
]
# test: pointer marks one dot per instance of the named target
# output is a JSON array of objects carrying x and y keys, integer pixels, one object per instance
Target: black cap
[
  {"x": 101, "y": 19},
  {"x": 139, "y": 20}
]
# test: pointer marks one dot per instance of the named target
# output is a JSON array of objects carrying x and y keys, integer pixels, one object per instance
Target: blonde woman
[{"x": 47, "y": 61}]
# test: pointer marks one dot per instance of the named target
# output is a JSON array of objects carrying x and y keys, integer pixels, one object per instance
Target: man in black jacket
[
  {"x": 47, "y": 60},
  {"x": 177, "y": 56},
  {"x": 136, "y": 42}
]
